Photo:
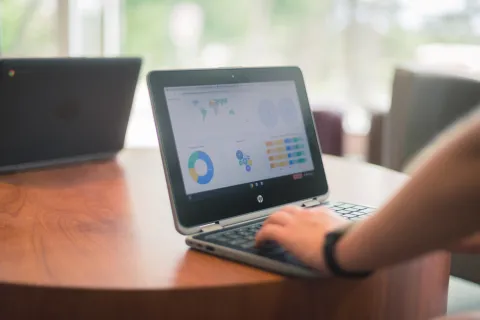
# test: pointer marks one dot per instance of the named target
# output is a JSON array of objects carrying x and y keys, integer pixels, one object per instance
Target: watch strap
[{"x": 331, "y": 261}]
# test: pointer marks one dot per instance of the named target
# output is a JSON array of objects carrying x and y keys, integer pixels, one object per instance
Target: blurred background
[
  {"x": 347, "y": 49},
  {"x": 383, "y": 76}
]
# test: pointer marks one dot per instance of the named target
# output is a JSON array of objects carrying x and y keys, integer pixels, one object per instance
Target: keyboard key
[
  {"x": 346, "y": 206},
  {"x": 270, "y": 247},
  {"x": 273, "y": 253},
  {"x": 349, "y": 216},
  {"x": 231, "y": 236},
  {"x": 362, "y": 213},
  {"x": 248, "y": 245},
  {"x": 359, "y": 207},
  {"x": 237, "y": 242},
  {"x": 368, "y": 210},
  {"x": 342, "y": 212},
  {"x": 358, "y": 214},
  {"x": 212, "y": 236},
  {"x": 222, "y": 239}
]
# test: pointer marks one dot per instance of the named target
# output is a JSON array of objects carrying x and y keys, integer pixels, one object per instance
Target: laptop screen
[{"x": 234, "y": 134}]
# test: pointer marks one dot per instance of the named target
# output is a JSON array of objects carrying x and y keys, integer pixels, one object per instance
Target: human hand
[
  {"x": 468, "y": 245},
  {"x": 302, "y": 232}
]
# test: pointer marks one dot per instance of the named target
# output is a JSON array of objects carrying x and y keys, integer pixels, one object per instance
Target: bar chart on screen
[{"x": 286, "y": 152}]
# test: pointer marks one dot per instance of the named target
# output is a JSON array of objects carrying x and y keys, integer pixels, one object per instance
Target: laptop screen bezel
[{"x": 285, "y": 190}]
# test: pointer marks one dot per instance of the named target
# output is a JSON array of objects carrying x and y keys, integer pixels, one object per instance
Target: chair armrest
[
  {"x": 329, "y": 124},
  {"x": 375, "y": 137}
]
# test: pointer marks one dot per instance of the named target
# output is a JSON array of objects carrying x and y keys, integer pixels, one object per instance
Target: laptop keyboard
[{"x": 243, "y": 237}]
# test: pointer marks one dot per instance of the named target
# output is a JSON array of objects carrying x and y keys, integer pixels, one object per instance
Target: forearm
[{"x": 439, "y": 205}]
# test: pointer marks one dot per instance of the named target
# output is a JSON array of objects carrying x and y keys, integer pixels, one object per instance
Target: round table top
[{"x": 108, "y": 226}]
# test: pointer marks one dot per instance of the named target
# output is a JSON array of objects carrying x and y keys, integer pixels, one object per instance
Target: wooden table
[{"x": 98, "y": 240}]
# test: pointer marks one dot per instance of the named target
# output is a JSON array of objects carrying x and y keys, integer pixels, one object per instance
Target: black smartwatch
[{"x": 331, "y": 241}]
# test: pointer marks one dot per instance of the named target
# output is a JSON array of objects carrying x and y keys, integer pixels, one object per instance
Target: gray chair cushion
[{"x": 423, "y": 105}]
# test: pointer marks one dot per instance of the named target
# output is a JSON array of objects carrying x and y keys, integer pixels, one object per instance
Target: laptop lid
[
  {"x": 54, "y": 109},
  {"x": 235, "y": 141}
]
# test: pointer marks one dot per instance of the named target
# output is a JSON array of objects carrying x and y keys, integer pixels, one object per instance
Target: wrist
[
  {"x": 331, "y": 257},
  {"x": 347, "y": 254},
  {"x": 318, "y": 261}
]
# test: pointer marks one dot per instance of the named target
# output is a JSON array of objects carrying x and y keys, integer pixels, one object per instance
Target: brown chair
[
  {"x": 423, "y": 104},
  {"x": 330, "y": 131}
]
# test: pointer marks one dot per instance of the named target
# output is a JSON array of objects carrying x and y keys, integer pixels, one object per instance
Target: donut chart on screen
[{"x": 200, "y": 156}]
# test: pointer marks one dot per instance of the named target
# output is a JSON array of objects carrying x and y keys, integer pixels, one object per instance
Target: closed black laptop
[{"x": 57, "y": 111}]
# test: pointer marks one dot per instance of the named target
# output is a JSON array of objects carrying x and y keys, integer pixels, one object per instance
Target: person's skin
[
  {"x": 466, "y": 316},
  {"x": 439, "y": 208}
]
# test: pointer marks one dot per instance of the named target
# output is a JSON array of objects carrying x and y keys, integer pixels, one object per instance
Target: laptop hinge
[
  {"x": 311, "y": 203},
  {"x": 211, "y": 227}
]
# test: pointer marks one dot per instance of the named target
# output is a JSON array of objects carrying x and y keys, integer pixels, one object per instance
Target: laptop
[
  {"x": 66, "y": 110},
  {"x": 237, "y": 145}
]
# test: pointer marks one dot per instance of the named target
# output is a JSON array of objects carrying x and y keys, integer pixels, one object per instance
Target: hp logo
[{"x": 260, "y": 199}]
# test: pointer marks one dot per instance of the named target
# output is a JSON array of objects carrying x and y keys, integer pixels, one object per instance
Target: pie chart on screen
[
  {"x": 268, "y": 114},
  {"x": 288, "y": 111},
  {"x": 200, "y": 167}
]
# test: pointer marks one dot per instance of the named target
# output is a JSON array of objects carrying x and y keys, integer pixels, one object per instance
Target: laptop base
[{"x": 238, "y": 243}]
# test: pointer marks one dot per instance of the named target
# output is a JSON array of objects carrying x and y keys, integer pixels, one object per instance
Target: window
[
  {"x": 347, "y": 49},
  {"x": 28, "y": 28}
]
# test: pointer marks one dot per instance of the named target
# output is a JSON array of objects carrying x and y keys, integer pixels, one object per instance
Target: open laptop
[
  {"x": 237, "y": 144},
  {"x": 65, "y": 110}
]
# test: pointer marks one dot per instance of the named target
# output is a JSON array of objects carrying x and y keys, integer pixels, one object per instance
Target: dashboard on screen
[{"x": 234, "y": 134}]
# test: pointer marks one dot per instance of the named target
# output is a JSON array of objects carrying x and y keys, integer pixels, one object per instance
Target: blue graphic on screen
[
  {"x": 244, "y": 160},
  {"x": 212, "y": 107},
  {"x": 192, "y": 162}
]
